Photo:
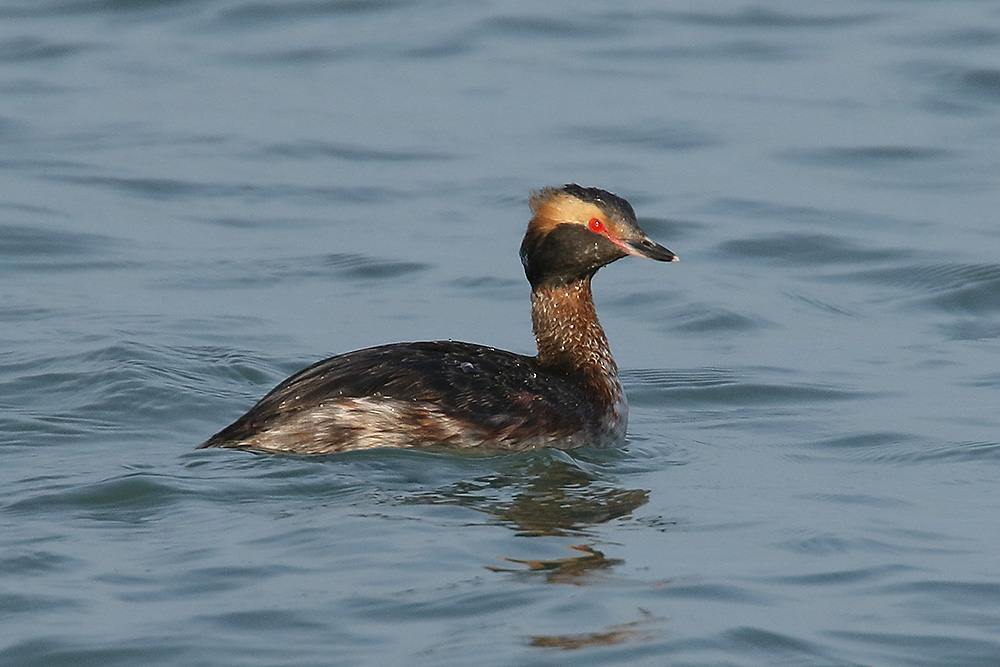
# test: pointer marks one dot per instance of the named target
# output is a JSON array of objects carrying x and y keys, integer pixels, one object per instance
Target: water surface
[{"x": 203, "y": 196}]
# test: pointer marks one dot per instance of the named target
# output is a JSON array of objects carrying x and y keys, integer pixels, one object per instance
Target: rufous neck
[{"x": 569, "y": 336}]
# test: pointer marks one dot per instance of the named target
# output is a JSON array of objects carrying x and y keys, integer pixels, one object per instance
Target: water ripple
[
  {"x": 805, "y": 249},
  {"x": 745, "y": 50},
  {"x": 932, "y": 649},
  {"x": 26, "y": 49},
  {"x": 666, "y": 138},
  {"x": 955, "y": 89},
  {"x": 757, "y": 17},
  {"x": 352, "y": 266},
  {"x": 700, "y": 319},
  {"x": 777, "y": 647},
  {"x": 250, "y": 14},
  {"x": 897, "y": 447},
  {"x": 876, "y": 157},
  {"x": 985, "y": 82},
  {"x": 951, "y": 287},
  {"x": 823, "y": 218},
  {"x": 118, "y": 389},
  {"x": 349, "y": 153},
  {"x": 719, "y": 387},
  {"x": 559, "y": 28},
  {"x": 866, "y": 575},
  {"x": 24, "y": 241},
  {"x": 973, "y": 37},
  {"x": 55, "y": 650},
  {"x": 174, "y": 188},
  {"x": 131, "y": 497}
]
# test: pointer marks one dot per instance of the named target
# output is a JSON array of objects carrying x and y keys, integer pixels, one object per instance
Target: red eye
[{"x": 596, "y": 225}]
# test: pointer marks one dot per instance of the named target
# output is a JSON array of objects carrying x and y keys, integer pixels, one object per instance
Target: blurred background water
[{"x": 199, "y": 197}]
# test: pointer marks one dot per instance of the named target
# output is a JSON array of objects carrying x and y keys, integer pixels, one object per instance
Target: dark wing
[{"x": 490, "y": 389}]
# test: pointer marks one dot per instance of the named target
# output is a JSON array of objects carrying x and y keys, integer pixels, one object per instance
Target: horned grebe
[{"x": 460, "y": 395}]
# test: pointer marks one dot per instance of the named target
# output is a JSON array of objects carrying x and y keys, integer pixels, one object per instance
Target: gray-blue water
[{"x": 199, "y": 197}]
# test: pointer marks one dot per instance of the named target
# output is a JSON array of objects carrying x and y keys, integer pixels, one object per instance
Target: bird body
[{"x": 462, "y": 396}]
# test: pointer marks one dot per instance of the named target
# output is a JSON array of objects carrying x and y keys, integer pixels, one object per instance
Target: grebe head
[{"x": 576, "y": 230}]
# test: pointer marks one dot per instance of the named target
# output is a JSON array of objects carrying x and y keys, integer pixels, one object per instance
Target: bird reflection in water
[
  {"x": 616, "y": 634},
  {"x": 571, "y": 570},
  {"x": 546, "y": 494},
  {"x": 542, "y": 494},
  {"x": 552, "y": 493}
]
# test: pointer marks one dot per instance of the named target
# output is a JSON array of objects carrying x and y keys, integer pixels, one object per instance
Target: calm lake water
[{"x": 200, "y": 197}]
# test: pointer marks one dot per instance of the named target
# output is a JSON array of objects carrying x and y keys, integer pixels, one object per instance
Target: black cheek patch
[{"x": 566, "y": 254}]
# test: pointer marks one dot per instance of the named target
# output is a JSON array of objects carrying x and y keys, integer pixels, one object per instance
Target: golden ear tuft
[
  {"x": 552, "y": 206},
  {"x": 541, "y": 197}
]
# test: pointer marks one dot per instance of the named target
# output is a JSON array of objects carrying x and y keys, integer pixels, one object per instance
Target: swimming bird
[{"x": 461, "y": 396}]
